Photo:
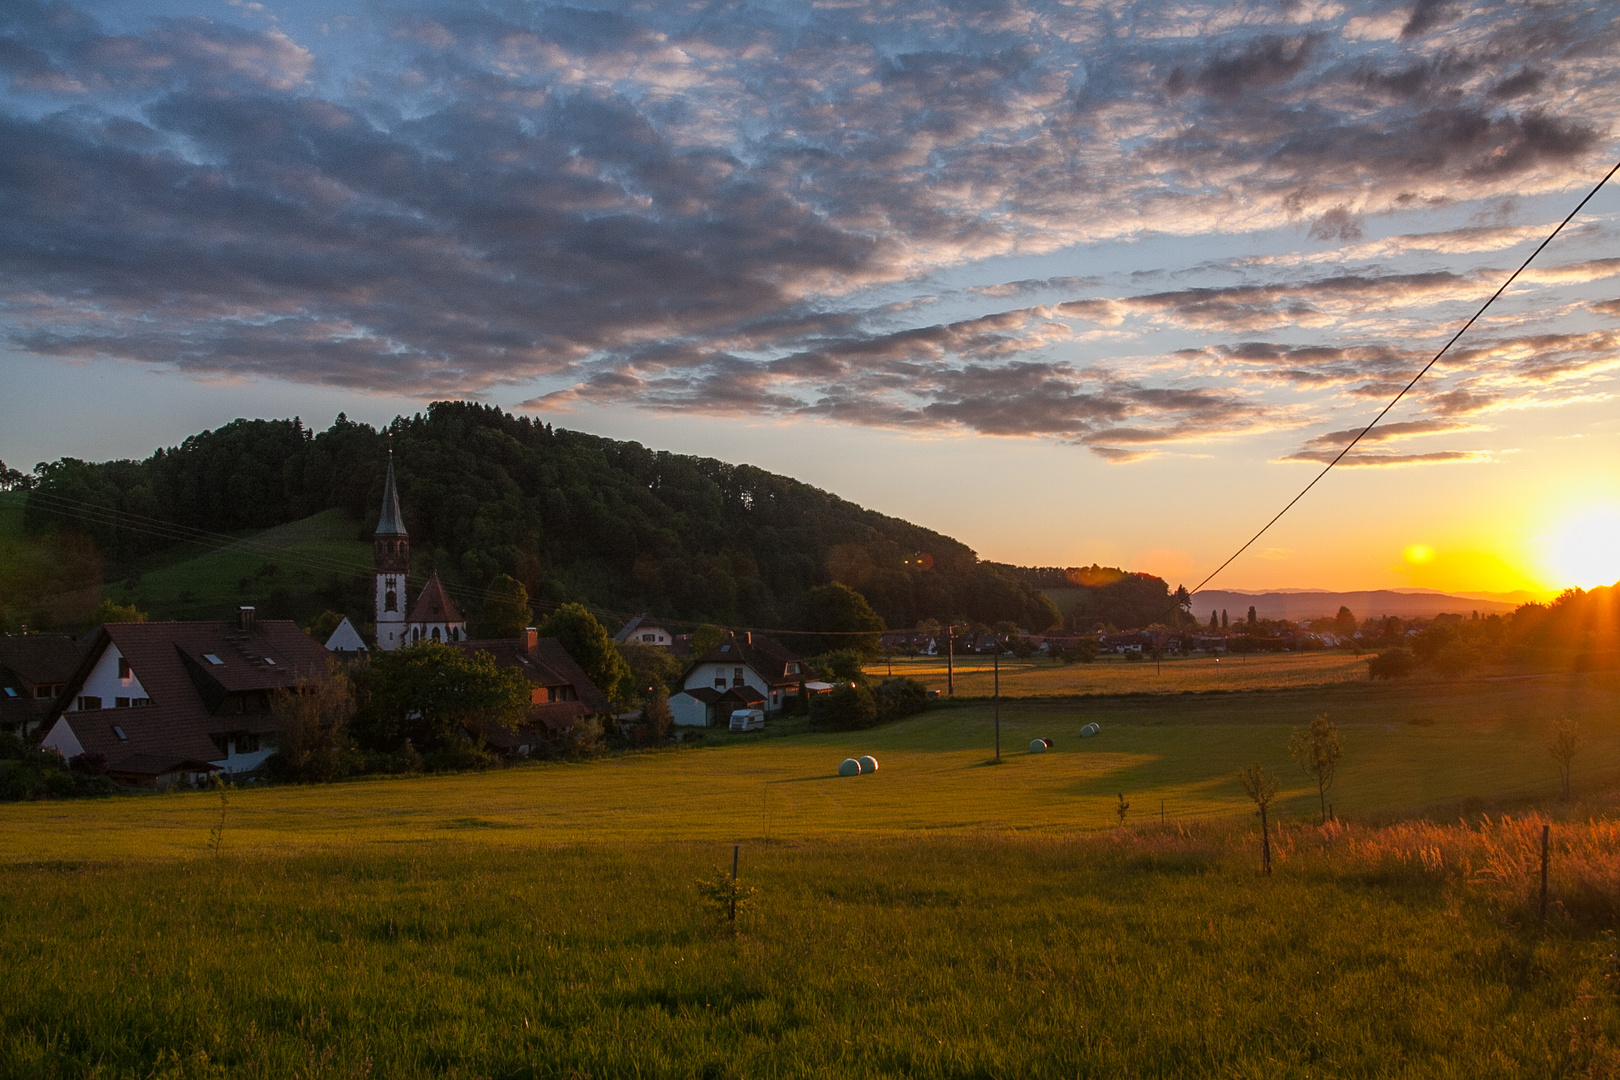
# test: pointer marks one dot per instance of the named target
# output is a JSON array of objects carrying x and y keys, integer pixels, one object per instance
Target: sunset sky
[{"x": 1073, "y": 282}]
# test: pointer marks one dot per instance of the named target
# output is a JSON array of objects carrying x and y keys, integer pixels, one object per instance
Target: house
[
  {"x": 167, "y": 702},
  {"x": 746, "y": 672},
  {"x": 644, "y": 630},
  {"x": 345, "y": 640},
  {"x": 33, "y": 670},
  {"x": 560, "y": 692},
  {"x": 434, "y": 616}
]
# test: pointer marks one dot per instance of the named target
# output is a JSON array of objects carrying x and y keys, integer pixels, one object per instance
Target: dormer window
[
  {"x": 793, "y": 669},
  {"x": 212, "y": 659}
]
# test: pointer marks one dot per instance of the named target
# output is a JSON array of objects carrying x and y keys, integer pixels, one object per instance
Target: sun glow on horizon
[{"x": 1585, "y": 552}]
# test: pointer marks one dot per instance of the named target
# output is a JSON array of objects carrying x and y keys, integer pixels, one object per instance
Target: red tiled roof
[
  {"x": 546, "y": 664},
  {"x": 762, "y": 654},
  {"x": 170, "y": 660},
  {"x": 40, "y": 658},
  {"x": 435, "y": 605}
]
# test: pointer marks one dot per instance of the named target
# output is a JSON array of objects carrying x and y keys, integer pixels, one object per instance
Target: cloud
[{"x": 789, "y": 210}]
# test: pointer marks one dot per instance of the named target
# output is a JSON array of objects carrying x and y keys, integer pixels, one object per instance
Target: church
[{"x": 434, "y": 616}]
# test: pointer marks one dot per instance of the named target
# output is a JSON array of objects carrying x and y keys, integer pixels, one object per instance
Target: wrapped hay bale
[
  {"x": 868, "y": 764},
  {"x": 1038, "y": 746},
  {"x": 1089, "y": 730},
  {"x": 849, "y": 767}
]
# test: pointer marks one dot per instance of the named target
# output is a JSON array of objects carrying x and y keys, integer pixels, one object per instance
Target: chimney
[
  {"x": 748, "y": 636},
  {"x": 531, "y": 637},
  {"x": 245, "y": 613}
]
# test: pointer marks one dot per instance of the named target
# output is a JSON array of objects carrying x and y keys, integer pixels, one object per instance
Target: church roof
[
  {"x": 435, "y": 605},
  {"x": 391, "y": 523}
]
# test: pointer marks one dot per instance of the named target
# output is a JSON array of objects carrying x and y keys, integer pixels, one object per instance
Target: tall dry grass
[{"x": 1499, "y": 858}]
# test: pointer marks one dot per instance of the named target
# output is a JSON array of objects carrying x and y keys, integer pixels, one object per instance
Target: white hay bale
[
  {"x": 1089, "y": 730},
  {"x": 868, "y": 764},
  {"x": 849, "y": 767},
  {"x": 1038, "y": 746}
]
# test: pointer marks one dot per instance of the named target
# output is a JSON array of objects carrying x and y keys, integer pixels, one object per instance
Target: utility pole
[
  {"x": 997, "y": 646},
  {"x": 950, "y": 660}
]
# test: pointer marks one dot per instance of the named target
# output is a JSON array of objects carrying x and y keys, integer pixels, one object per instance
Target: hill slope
[{"x": 572, "y": 516}]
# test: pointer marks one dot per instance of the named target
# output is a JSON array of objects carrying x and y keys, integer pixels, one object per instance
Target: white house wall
[
  {"x": 61, "y": 739},
  {"x": 688, "y": 711},
  {"x": 105, "y": 684}
]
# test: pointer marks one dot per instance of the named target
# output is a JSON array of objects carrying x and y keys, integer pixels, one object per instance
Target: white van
[{"x": 748, "y": 720}]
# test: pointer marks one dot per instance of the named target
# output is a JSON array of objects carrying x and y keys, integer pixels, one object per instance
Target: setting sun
[{"x": 1586, "y": 551}]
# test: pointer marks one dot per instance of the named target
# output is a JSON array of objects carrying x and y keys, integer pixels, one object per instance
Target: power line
[{"x": 1396, "y": 399}]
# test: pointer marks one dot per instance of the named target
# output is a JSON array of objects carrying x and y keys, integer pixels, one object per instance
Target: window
[
  {"x": 725, "y": 648},
  {"x": 736, "y": 676},
  {"x": 47, "y": 691},
  {"x": 435, "y": 633},
  {"x": 720, "y": 680},
  {"x": 649, "y": 637},
  {"x": 139, "y": 702},
  {"x": 10, "y": 692},
  {"x": 123, "y": 668},
  {"x": 247, "y": 743},
  {"x": 270, "y": 660},
  {"x": 120, "y": 702},
  {"x": 793, "y": 669},
  {"x": 89, "y": 701},
  {"x": 118, "y": 731},
  {"x": 212, "y": 659},
  {"x": 390, "y": 600}
]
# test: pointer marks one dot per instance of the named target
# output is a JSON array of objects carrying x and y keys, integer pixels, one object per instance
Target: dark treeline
[
  {"x": 572, "y": 516},
  {"x": 1106, "y": 597}
]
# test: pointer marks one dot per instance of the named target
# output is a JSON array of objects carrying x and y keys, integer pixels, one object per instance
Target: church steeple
[
  {"x": 391, "y": 552},
  {"x": 390, "y": 523}
]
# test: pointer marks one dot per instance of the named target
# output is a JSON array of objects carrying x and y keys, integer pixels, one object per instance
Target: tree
[
  {"x": 843, "y": 665},
  {"x": 1563, "y": 742},
  {"x": 843, "y": 619},
  {"x": 655, "y": 711},
  {"x": 1390, "y": 664},
  {"x": 1021, "y": 647},
  {"x": 899, "y": 697},
  {"x": 431, "y": 694},
  {"x": 1262, "y": 788},
  {"x": 1254, "y": 620},
  {"x": 1317, "y": 750},
  {"x": 1344, "y": 622},
  {"x": 111, "y": 612},
  {"x": 324, "y": 624},
  {"x": 651, "y": 669},
  {"x": 1224, "y": 623},
  {"x": 506, "y": 610},
  {"x": 845, "y": 708},
  {"x": 592, "y": 648},
  {"x": 1122, "y": 809},
  {"x": 707, "y": 637},
  {"x": 314, "y": 717},
  {"x": 1214, "y": 622}
]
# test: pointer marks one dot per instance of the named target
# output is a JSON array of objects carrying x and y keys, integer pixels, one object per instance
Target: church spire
[{"x": 391, "y": 523}]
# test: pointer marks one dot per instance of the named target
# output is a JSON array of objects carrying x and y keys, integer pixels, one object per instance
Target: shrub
[
  {"x": 458, "y": 757},
  {"x": 1391, "y": 664},
  {"x": 842, "y": 665},
  {"x": 899, "y": 697},
  {"x": 847, "y": 708},
  {"x": 88, "y": 764}
]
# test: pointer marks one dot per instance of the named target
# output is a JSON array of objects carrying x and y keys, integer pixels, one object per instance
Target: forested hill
[{"x": 572, "y": 516}]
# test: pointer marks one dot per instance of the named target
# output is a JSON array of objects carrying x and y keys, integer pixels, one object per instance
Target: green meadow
[{"x": 946, "y": 917}]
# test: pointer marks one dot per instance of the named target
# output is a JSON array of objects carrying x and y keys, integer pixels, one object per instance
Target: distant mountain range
[{"x": 1302, "y": 604}]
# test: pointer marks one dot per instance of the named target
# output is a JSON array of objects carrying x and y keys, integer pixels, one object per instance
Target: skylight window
[
  {"x": 212, "y": 659},
  {"x": 118, "y": 731},
  {"x": 725, "y": 648},
  {"x": 270, "y": 660},
  {"x": 10, "y": 692}
]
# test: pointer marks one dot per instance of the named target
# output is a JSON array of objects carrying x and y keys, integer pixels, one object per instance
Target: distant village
[{"x": 156, "y": 704}]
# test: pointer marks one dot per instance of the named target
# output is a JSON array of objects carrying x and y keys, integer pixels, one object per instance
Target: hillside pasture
[{"x": 303, "y": 562}]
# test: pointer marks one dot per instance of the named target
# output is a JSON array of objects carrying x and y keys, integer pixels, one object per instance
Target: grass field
[
  {"x": 943, "y": 918},
  {"x": 1115, "y": 675},
  {"x": 308, "y": 556},
  {"x": 1408, "y": 746}
]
